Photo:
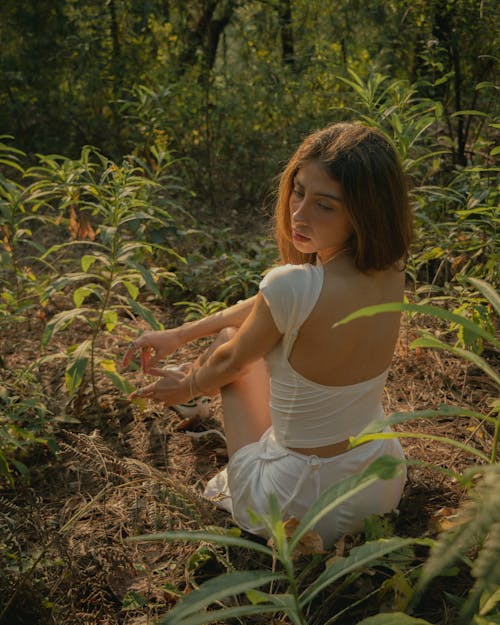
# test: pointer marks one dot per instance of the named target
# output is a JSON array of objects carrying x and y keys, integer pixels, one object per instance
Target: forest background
[{"x": 140, "y": 145}]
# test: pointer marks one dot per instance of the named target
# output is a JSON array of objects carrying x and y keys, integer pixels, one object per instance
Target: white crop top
[{"x": 305, "y": 413}]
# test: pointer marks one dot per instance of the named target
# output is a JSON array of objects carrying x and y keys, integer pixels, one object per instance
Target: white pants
[{"x": 259, "y": 469}]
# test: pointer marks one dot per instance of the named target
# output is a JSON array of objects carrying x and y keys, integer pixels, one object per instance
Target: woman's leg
[{"x": 245, "y": 402}]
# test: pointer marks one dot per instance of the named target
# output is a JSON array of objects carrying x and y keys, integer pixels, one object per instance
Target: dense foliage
[{"x": 191, "y": 108}]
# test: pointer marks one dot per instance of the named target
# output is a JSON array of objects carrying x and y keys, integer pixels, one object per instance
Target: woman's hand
[
  {"x": 154, "y": 346},
  {"x": 171, "y": 388}
]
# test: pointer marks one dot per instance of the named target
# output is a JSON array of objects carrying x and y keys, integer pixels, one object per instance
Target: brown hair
[{"x": 368, "y": 167}]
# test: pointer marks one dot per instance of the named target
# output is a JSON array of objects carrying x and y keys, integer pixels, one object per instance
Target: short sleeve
[{"x": 291, "y": 292}]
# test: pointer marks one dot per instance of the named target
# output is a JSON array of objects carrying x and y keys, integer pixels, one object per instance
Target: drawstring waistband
[{"x": 311, "y": 467}]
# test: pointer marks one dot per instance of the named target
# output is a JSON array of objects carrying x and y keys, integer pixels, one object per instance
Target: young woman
[{"x": 294, "y": 388}]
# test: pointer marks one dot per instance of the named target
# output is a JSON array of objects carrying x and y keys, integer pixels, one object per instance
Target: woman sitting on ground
[{"x": 294, "y": 388}]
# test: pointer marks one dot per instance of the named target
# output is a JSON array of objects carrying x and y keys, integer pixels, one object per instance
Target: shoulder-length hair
[{"x": 365, "y": 163}]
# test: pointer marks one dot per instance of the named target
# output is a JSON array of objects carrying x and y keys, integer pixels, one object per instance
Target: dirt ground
[{"x": 120, "y": 471}]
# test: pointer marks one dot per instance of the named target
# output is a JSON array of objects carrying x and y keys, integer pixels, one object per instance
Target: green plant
[
  {"x": 288, "y": 592},
  {"x": 479, "y": 523},
  {"x": 427, "y": 340},
  {"x": 462, "y": 213},
  {"x": 115, "y": 264},
  {"x": 223, "y": 267},
  {"x": 25, "y": 421},
  {"x": 19, "y": 252},
  {"x": 201, "y": 308},
  {"x": 475, "y": 534},
  {"x": 395, "y": 107}
]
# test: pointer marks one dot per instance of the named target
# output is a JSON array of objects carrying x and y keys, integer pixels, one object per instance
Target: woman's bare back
[{"x": 359, "y": 350}]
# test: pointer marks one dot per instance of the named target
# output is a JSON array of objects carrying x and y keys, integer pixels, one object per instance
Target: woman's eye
[
  {"x": 298, "y": 193},
  {"x": 325, "y": 206}
]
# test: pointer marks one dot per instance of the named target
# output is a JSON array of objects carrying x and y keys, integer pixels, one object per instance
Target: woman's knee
[{"x": 226, "y": 334}]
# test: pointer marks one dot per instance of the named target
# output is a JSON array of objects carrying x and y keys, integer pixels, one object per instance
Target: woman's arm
[
  {"x": 233, "y": 316},
  {"x": 256, "y": 337},
  {"x": 155, "y": 345}
]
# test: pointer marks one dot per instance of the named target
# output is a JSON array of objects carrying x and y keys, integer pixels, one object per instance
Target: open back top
[{"x": 305, "y": 413}]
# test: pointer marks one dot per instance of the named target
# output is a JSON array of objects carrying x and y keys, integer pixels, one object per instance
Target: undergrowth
[{"x": 94, "y": 251}]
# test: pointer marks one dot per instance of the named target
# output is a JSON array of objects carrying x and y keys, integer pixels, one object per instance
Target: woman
[{"x": 294, "y": 388}]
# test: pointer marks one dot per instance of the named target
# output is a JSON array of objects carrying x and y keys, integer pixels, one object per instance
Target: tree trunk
[
  {"x": 116, "y": 50},
  {"x": 204, "y": 37},
  {"x": 443, "y": 29},
  {"x": 286, "y": 31}
]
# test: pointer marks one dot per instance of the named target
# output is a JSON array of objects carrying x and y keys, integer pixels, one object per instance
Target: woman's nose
[{"x": 299, "y": 208}]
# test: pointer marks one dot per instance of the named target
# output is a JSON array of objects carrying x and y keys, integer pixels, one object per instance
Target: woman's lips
[{"x": 299, "y": 237}]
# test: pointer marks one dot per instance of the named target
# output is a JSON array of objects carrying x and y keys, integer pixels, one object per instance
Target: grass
[{"x": 65, "y": 556}]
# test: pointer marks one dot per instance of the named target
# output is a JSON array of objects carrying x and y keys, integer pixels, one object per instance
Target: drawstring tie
[{"x": 311, "y": 468}]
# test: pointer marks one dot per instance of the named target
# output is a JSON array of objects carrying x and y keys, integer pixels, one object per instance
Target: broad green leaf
[
  {"x": 110, "y": 318},
  {"x": 145, "y": 314},
  {"x": 108, "y": 364},
  {"x": 60, "y": 321},
  {"x": 486, "y": 620},
  {"x": 219, "y": 538},
  {"x": 257, "y": 597},
  {"x": 21, "y": 467},
  {"x": 220, "y": 587},
  {"x": 147, "y": 276},
  {"x": 87, "y": 261},
  {"x": 133, "y": 289},
  {"x": 488, "y": 291},
  {"x": 285, "y": 602},
  {"x": 469, "y": 112},
  {"x": 61, "y": 283},
  {"x": 359, "y": 440},
  {"x": 121, "y": 383},
  {"x": 423, "y": 309},
  {"x": 358, "y": 558},
  {"x": 393, "y": 618},
  {"x": 77, "y": 366},
  {"x": 475, "y": 359},
  {"x": 402, "y": 417},
  {"x": 384, "y": 467},
  {"x": 221, "y": 616},
  {"x": 81, "y": 294},
  {"x": 489, "y": 601}
]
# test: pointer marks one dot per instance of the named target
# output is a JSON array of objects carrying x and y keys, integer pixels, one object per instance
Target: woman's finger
[
  {"x": 145, "y": 393},
  {"x": 160, "y": 373},
  {"x": 145, "y": 358},
  {"x": 133, "y": 347}
]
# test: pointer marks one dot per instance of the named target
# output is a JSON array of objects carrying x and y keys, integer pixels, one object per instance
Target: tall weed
[
  {"x": 110, "y": 209},
  {"x": 20, "y": 211}
]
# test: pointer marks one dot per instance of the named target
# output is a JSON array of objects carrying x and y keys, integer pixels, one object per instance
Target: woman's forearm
[
  {"x": 233, "y": 316},
  {"x": 214, "y": 371},
  {"x": 157, "y": 344}
]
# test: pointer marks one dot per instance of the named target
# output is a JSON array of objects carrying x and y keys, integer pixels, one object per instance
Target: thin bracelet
[{"x": 193, "y": 384}]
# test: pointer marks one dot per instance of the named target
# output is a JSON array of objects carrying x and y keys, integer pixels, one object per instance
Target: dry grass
[{"x": 121, "y": 472}]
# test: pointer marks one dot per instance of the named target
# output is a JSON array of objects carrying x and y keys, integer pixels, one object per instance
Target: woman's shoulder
[
  {"x": 289, "y": 290},
  {"x": 345, "y": 282},
  {"x": 291, "y": 273}
]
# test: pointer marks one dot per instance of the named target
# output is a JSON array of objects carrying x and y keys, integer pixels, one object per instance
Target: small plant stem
[
  {"x": 104, "y": 305},
  {"x": 13, "y": 257},
  {"x": 496, "y": 436},
  {"x": 335, "y": 617},
  {"x": 286, "y": 560},
  {"x": 95, "y": 334}
]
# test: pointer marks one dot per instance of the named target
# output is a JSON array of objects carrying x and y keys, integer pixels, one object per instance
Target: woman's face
[{"x": 318, "y": 216}]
